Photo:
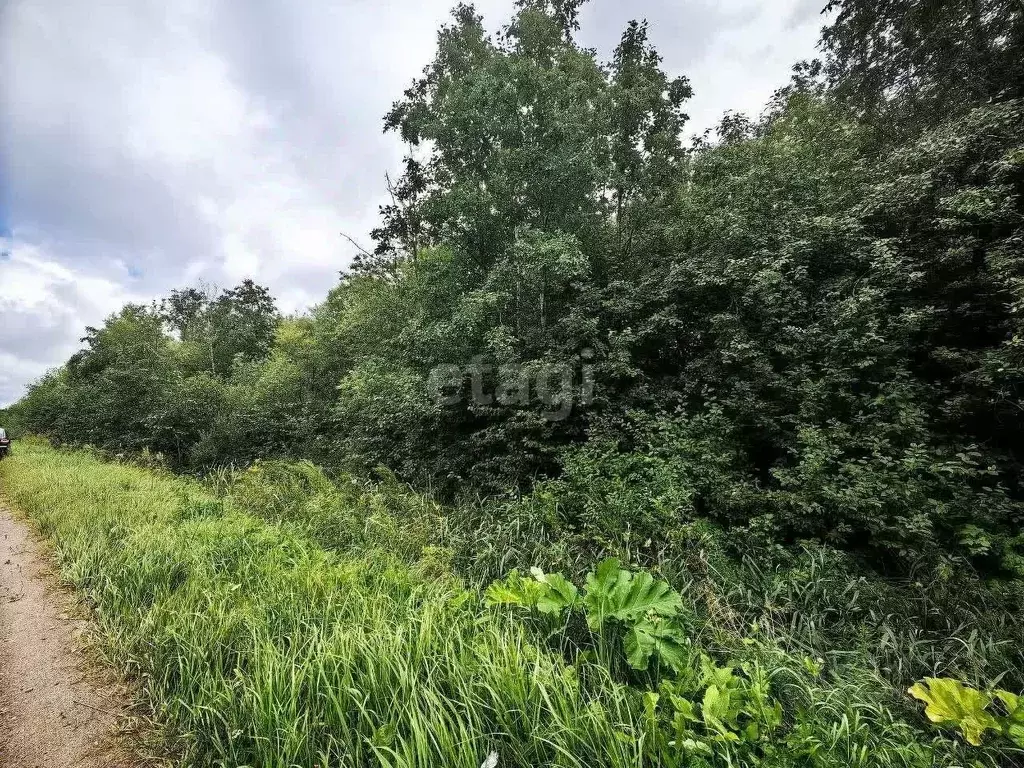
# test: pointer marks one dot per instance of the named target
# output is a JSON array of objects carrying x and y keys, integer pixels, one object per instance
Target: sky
[{"x": 153, "y": 145}]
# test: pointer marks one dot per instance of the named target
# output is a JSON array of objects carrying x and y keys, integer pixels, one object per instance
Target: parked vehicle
[{"x": 5, "y": 443}]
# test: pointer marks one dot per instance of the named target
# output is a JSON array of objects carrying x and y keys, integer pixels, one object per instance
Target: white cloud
[
  {"x": 747, "y": 61},
  {"x": 148, "y": 145},
  {"x": 736, "y": 53},
  {"x": 45, "y": 307}
]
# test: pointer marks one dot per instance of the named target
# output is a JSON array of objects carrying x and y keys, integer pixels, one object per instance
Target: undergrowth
[{"x": 278, "y": 617}]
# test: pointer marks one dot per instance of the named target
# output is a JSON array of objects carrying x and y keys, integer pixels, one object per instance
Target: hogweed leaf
[
  {"x": 558, "y": 594},
  {"x": 1013, "y": 724},
  {"x": 665, "y": 639},
  {"x": 514, "y": 590},
  {"x": 615, "y": 593},
  {"x": 601, "y": 585},
  {"x": 950, "y": 702},
  {"x": 644, "y": 595}
]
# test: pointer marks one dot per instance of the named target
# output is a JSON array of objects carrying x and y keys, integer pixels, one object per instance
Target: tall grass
[
  {"x": 279, "y": 619},
  {"x": 262, "y": 649}
]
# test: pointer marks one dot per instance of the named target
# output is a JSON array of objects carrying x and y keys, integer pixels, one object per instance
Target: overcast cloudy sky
[{"x": 148, "y": 145}]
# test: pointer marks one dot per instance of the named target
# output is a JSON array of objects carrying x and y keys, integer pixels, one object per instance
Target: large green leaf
[
  {"x": 558, "y": 593},
  {"x": 1013, "y": 724},
  {"x": 549, "y": 593},
  {"x": 615, "y": 593},
  {"x": 950, "y": 702},
  {"x": 664, "y": 638},
  {"x": 515, "y": 590},
  {"x": 718, "y": 711}
]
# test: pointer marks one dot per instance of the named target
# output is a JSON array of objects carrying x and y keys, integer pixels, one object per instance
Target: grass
[
  {"x": 261, "y": 649},
  {"x": 279, "y": 621}
]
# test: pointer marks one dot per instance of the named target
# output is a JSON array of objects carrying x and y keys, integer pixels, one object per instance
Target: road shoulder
[{"x": 58, "y": 707}]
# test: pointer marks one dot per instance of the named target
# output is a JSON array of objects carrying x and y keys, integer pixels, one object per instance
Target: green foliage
[
  {"x": 134, "y": 387},
  {"x": 951, "y": 703},
  {"x": 906, "y": 65},
  {"x": 655, "y": 638},
  {"x": 621, "y": 607},
  {"x": 804, "y": 342},
  {"x": 257, "y": 647},
  {"x": 1012, "y": 723},
  {"x": 395, "y": 646},
  {"x": 216, "y": 332},
  {"x": 517, "y": 590},
  {"x": 617, "y": 594},
  {"x": 560, "y": 595},
  {"x": 343, "y": 513},
  {"x": 10, "y": 420},
  {"x": 720, "y": 710},
  {"x": 799, "y": 329}
]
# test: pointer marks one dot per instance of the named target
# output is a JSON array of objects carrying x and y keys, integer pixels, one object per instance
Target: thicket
[
  {"x": 274, "y": 617},
  {"x": 804, "y": 327},
  {"x": 803, "y": 333}
]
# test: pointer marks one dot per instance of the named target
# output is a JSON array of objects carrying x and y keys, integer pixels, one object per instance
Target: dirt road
[{"x": 56, "y": 710}]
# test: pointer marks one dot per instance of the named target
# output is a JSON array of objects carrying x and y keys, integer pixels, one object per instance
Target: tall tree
[
  {"x": 217, "y": 331},
  {"x": 905, "y": 65}
]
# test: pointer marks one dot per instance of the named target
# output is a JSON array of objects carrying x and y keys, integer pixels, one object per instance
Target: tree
[
  {"x": 239, "y": 324},
  {"x": 804, "y": 326},
  {"x": 906, "y": 65},
  {"x": 118, "y": 383}
]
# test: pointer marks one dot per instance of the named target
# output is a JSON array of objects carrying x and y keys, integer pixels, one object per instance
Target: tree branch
[{"x": 357, "y": 245}]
